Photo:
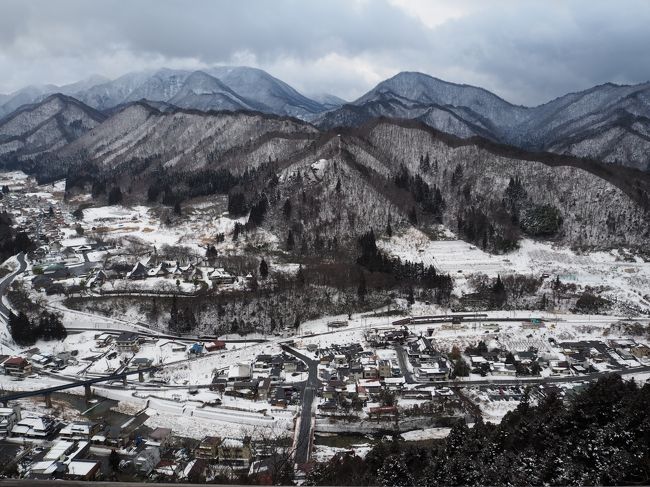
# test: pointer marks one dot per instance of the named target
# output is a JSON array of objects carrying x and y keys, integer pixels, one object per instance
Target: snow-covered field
[
  {"x": 199, "y": 226},
  {"x": 626, "y": 277},
  {"x": 426, "y": 434}
]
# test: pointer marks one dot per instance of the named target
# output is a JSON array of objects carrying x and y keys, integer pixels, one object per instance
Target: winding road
[{"x": 6, "y": 282}]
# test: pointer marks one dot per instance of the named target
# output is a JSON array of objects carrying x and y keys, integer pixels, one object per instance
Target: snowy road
[{"x": 6, "y": 282}]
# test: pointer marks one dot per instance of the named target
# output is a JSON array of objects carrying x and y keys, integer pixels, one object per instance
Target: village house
[
  {"x": 82, "y": 470},
  {"x": 159, "y": 271},
  {"x": 215, "y": 345},
  {"x": 168, "y": 468},
  {"x": 56, "y": 271},
  {"x": 383, "y": 413},
  {"x": 208, "y": 449},
  {"x": 384, "y": 369},
  {"x": 140, "y": 363},
  {"x": 437, "y": 371},
  {"x": 97, "y": 279},
  {"x": 139, "y": 271},
  {"x": 8, "y": 418},
  {"x": 146, "y": 459},
  {"x": 502, "y": 369},
  {"x": 79, "y": 430},
  {"x": 34, "y": 427},
  {"x": 103, "y": 339},
  {"x": 235, "y": 453},
  {"x": 640, "y": 351},
  {"x": 264, "y": 389},
  {"x": 221, "y": 276},
  {"x": 127, "y": 341},
  {"x": 17, "y": 366},
  {"x": 161, "y": 436},
  {"x": 239, "y": 372}
]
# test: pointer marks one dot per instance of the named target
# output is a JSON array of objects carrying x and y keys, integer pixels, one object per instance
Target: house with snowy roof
[
  {"x": 34, "y": 427},
  {"x": 221, "y": 276},
  {"x": 97, "y": 279},
  {"x": 235, "y": 453},
  {"x": 160, "y": 270},
  {"x": 8, "y": 418},
  {"x": 139, "y": 271},
  {"x": 17, "y": 366},
  {"x": 79, "y": 430}
]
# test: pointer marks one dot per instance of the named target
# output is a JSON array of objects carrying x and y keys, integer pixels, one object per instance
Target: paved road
[
  {"x": 6, "y": 282},
  {"x": 403, "y": 360},
  {"x": 305, "y": 433}
]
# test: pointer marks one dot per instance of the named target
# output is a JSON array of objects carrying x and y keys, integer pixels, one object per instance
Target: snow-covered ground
[
  {"x": 426, "y": 434},
  {"x": 199, "y": 226},
  {"x": 626, "y": 277}
]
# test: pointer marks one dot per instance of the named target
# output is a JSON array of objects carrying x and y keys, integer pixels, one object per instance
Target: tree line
[
  {"x": 12, "y": 242},
  {"x": 25, "y": 332},
  {"x": 372, "y": 259}
]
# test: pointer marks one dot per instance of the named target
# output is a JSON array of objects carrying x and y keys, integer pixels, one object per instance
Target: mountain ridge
[{"x": 608, "y": 122}]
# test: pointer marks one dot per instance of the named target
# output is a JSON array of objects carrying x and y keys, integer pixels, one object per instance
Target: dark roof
[
  {"x": 127, "y": 336},
  {"x": 141, "y": 360},
  {"x": 211, "y": 440},
  {"x": 139, "y": 270},
  {"x": 16, "y": 361}
]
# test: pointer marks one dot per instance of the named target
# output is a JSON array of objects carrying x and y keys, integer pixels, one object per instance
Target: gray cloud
[{"x": 527, "y": 52}]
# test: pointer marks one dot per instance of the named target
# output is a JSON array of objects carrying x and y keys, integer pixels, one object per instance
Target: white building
[
  {"x": 241, "y": 371},
  {"x": 8, "y": 418},
  {"x": 34, "y": 427}
]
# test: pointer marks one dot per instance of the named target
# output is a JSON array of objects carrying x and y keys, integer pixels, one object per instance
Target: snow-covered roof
[
  {"x": 82, "y": 467},
  {"x": 394, "y": 380},
  {"x": 239, "y": 370},
  {"x": 139, "y": 269},
  {"x": 219, "y": 272},
  {"x": 232, "y": 443}
]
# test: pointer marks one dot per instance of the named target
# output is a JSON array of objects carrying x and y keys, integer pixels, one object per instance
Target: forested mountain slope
[
  {"x": 45, "y": 126},
  {"x": 340, "y": 184},
  {"x": 607, "y": 122}
]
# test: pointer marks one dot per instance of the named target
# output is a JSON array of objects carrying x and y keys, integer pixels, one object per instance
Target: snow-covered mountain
[
  {"x": 201, "y": 91},
  {"x": 610, "y": 123},
  {"x": 258, "y": 85},
  {"x": 607, "y": 122},
  {"x": 328, "y": 100},
  {"x": 45, "y": 126},
  {"x": 187, "y": 140},
  {"x": 389, "y": 170},
  {"x": 24, "y": 96},
  {"x": 112, "y": 93},
  {"x": 34, "y": 94},
  {"x": 235, "y": 88}
]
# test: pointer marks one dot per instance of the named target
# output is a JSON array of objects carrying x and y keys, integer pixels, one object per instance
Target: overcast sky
[{"x": 525, "y": 51}]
